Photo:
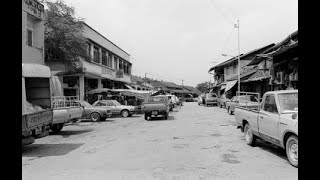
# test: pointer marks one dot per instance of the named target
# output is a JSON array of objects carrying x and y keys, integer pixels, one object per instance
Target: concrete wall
[
  {"x": 231, "y": 74},
  {"x": 93, "y": 35},
  {"x": 32, "y": 18}
]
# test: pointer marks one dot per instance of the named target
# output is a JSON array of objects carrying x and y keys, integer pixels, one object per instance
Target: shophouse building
[
  {"x": 32, "y": 32},
  {"x": 283, "y": 70},
  {"x": 226, "y": 73},
  {"x": 109, "y": 67}
]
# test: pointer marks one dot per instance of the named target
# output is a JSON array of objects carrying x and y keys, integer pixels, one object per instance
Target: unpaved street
[{"x": 196, "y": 142}]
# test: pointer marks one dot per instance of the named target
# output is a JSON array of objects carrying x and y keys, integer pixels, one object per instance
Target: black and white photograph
[{"x": 159, "y": 89}]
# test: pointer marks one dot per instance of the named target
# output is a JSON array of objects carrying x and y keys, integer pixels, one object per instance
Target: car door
[
  {"x": 113, "y": 107},
  {"x": 268, "y": 119}
]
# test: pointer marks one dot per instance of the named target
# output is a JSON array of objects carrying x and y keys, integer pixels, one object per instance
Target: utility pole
[
  {"x": 145, "y": 79},
  {"x": 182, "y": 82},
  {"x": 238, "y": 57}
]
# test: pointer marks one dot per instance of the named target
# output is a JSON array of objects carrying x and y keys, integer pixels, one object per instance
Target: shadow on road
[
  {"x": 272, "y": 149},
  {"x": 67, "y": 133},
  {"x": 43, "y": 150},
  {"x": 161, "y": 118}
]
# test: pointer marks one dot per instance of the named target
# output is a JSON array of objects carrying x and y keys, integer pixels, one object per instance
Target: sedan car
[
  {"x": 116, "y": 107},
  {"x": 94, "y": 113},
  {"x": 248, "y": 101}
]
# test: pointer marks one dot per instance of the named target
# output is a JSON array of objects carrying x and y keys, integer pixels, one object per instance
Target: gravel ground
[{"x": 196, "y": 142}]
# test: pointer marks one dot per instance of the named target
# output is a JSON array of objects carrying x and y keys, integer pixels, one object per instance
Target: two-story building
[
  {"x": 32, "y": 32},
  {"x": 226, "y": 73},
  {"x": 109, "y": 67},
  {"x": 282, "y": 63}
]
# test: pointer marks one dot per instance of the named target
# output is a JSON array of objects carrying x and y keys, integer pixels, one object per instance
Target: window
[
  {"x": 227, "y": 70},
  {"x": 101, "y": 103},
  {"x": 234, "y": 69},
  {"x": 88, "y": 49},
  {"x": 29, "y": 37},
  {"x": 120, "y": 64},
  {"x": 115, "y": 63},
  {"x": 270, "y": 104},
  {"x": 104, "y": 58},
  {"x": 96, "y": 54}
]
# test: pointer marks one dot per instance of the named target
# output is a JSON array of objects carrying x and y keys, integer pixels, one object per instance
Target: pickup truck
[
  {"x": 36, "y": 102},
  {"x": 275, "y": 121},
  {"x": 156, "y": 106},
  {"x": 65, "y": 109}
]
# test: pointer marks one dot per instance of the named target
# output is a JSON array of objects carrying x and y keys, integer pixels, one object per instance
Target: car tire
[
  {"x": 166, "y": 116},
  {"x": 146, "y": 116},
  {"x": 56, "y": 127},
  {"x": 95, "y": 116},
  {"x": 249, "y": 137},
  {"x": 292, "y": 150},
  {"x": 125, "y": 113}
]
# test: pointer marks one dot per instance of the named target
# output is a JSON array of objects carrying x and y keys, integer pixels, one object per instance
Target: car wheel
[
  {"x": 125, "y": 113},
  {"x": 145, "y": 116},
  {"x": 292, "y": 150},
  {"x": 95, "y": 117},
  {"x": 249, "y": 137},
  {"x": 56, "y": 127},
  {"x": 220, "y": 105},
  {"x": 166, "y": 116}
]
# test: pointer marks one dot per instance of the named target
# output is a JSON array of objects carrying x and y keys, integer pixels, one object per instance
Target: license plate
[{"x": 154, "y": 112}]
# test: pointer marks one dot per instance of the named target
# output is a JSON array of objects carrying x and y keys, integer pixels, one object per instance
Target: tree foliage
[
  {"x": 64, "y": 40},
  {"x": 204, "y": 87}
]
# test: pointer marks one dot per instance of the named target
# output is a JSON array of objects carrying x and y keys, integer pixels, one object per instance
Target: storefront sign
[
  {"x": 35, "y": 7},
  {"x": 106, "y": 71},
  {"x": 119, "y": 73}
]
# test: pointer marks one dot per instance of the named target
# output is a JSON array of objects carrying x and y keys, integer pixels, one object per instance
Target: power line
[{"x": 222, "y": 13}]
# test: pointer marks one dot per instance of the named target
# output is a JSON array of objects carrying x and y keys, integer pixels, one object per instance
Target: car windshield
[
  {"x": 288, "y": 102},
  {"x": 85, "y": 104},
  {"x": 156, "y": 99}
]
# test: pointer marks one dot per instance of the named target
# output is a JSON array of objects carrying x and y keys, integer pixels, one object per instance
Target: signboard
[
  {"x": 119, "y": 73},
  {"x": 106, "y": 71}
]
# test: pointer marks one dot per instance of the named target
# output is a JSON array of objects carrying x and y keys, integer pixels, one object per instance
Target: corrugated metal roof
[{"x": 246, "y": 56}]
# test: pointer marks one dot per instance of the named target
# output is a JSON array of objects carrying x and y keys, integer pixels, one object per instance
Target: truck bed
[
  {"x": 248, "y": 114},
  {"x": 36, "y": 121},
  {"x": 155, "y": 107}
]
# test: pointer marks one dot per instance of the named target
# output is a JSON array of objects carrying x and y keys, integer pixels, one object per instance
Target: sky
[{"x": 175, "y": 40}]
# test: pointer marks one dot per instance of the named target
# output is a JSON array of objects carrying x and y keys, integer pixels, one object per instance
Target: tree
[
  {"x": 204, "y": 87},
  {"x": 63, "y": 38}
]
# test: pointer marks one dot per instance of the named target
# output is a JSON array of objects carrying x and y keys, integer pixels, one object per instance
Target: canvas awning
[
  {"x": 129, "y": 87},
  {"x": 230, "y": 84}
]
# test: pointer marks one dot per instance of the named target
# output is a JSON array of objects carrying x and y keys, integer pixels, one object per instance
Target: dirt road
[{"x": 196, "y": 142}]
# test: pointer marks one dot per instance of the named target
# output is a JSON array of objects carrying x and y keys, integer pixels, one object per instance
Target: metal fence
[{"x": 64, "y": 101}]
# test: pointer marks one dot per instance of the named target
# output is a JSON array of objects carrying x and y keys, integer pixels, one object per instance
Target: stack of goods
[{"x": 30, "y": 108}]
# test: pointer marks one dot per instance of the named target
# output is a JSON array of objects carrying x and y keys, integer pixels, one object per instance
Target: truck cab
[{"x": 275, "y": 121}]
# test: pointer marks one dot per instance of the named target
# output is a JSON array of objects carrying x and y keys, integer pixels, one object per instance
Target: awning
[
  {"x": 128, "y": 86},
  {"x": 230, "y": 84},
  {"x": 223, "y": 86}
]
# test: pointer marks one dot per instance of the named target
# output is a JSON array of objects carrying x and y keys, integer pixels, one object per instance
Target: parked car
[
  {"x": 211, "y": 99},
  {"x": 117, "y": 108},
  {"x": 95, "y": 113},
  {"x": 244, "y": 100},
  {"x": 201, "y": 100},
  {"x": 222, "y": 101},
  {"x": 276, "y": 121},
  {"x": 156, "y": 106},
  {"x": 174, "y": 101}
]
